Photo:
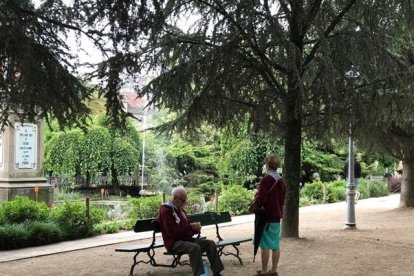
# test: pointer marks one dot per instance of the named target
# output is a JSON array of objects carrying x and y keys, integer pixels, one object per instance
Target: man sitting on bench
[{"x": 177, "y": 233}]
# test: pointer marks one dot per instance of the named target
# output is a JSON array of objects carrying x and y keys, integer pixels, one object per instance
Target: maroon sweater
[
  {"x": 174, "y": 225},
  {"x": 273, "y": 202}
]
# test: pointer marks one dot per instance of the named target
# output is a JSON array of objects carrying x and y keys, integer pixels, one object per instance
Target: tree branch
[
  {"x": 260, "y": 54},
  {"x": 328, "y": 30},
  {"x": 89, "y": 33},
  {"x": 285, "y": 8},
  {"x": 313, "y": 11}
]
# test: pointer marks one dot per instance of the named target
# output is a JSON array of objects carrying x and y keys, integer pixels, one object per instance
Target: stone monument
[{"x": 21, "y": 162}]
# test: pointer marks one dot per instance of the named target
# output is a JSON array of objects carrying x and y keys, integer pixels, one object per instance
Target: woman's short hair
[
  {"x": 177, "y": 191},
  {"x": 272, "y": 161}
]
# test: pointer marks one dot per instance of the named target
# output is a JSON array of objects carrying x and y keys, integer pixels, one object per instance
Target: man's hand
[{"x": 196, "y": 226}]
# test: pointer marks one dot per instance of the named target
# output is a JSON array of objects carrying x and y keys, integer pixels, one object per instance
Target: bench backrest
[
  {"x": 143, "y": 225},
  {"x": 210, "y": 218}
]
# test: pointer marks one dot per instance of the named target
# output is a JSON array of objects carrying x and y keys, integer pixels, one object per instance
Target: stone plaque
[{"x": 26, "y": 145}]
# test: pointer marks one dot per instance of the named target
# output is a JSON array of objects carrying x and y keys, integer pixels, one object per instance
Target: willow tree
[{"x": 103, "y": 148}]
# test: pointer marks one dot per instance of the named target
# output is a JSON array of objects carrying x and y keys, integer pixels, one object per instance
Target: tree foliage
[
  {"x": 323, "y": 161},
  {"x": 242, "y": 153},
  {"x": 61, "y": 152},
  {"x": 385, "y": 121},
  {"x": 281, "y": 62},
  {"x": 36, "y": 73}
]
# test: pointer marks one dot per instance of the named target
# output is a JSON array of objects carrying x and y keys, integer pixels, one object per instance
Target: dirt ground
[{"x": 383, "y": 244}]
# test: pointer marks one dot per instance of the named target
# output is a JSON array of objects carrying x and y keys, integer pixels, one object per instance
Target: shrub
[
  {"x": 97, "y": 215},
  {"x": 66, "y": 221},
  {"x": 336, "y": 194},
  {"x": 72, "y": 218},
  {"x": 375, "y": 188},
  {"x": 21, "y": 209},
  {"x": 394, "y": 183},
  {"x": 106, "y": 227},
  {"x": 323, "y": 192},
  {"x": 363, "y": 189},
  {"x": 378, "y": 188},
  {"x": 40, "y": 232},
  {"x": 29, "y": 233},
  {"x": 13, "y": 236},
  {"x": 235, "y": 199},
  {"x": 305, "y": 201},
  {"x": 144, "y": 207},
  {"x": 313, "y": 190},
  {"x": 336, "y": 190},
  {"x": 337, "y": 183}
]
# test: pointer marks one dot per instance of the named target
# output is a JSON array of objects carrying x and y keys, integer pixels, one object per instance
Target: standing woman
[{"x": 271, "y": 196}]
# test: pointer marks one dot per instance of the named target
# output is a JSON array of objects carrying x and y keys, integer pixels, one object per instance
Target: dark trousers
[{"x": 195, "y": 249}]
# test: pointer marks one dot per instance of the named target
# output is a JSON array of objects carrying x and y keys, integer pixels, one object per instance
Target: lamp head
[{"x": 352, "y": 73}]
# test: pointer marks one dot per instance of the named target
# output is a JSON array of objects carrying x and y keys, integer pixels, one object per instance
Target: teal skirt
[{"x": 271, "y": 237}]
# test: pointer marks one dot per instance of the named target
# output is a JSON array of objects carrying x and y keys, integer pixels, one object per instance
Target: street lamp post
[
  {"x": 350, "y": 222},
  {"x": 143, "y": 147}
]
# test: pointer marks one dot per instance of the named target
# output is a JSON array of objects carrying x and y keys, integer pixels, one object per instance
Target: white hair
[{"x": 177, "y": 191}]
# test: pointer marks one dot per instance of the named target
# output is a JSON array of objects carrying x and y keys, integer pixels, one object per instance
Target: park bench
[{"x": 209, "y": 218}]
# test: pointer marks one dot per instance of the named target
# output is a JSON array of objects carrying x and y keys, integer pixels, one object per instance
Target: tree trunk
[
  {"x": 407, "y": 184},
  {"x": 291, "y": 170},
  {"x": 293, "y": 123},
  {"x": 88, "y": 179},
  {"x": 115, "y": 180}
]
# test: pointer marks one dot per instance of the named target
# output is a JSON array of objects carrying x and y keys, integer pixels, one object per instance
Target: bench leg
[
  {"x": 220, "y": 251},
  {"x": 151, "y": 260},
  {"x": 176, "y": 260},
  {"x": 151, "y": 254},
  {"x": 131, "y": 272}
]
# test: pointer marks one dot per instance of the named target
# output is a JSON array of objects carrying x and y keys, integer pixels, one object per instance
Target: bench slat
[
  {"x": 232, "y": 241},
  {"x": 139, "y": 248},
  {"x": 210, "y": 218}
]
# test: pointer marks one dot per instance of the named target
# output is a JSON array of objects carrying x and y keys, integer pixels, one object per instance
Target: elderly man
[{"x": 177, "y": 233}]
